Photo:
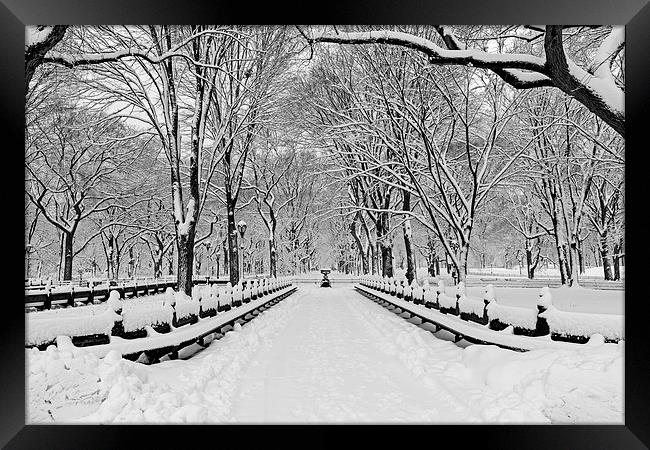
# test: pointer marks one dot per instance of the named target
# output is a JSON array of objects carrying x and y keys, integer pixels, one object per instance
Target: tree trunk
[
  {"x": 408, "y": 238},
  {"x": 185, "y": 248},
  {"x": 595, "y": 252},
  {"x": 233, "y": 251},
  {"x": 561, "y": 257},
  {"x": 357, "y": 240},
  {"x": 157, "y": 266},
  {"x": 386, "y": 246},
  {"x": 272, "y": 258},
  {"x": 386, "y": 261},
  {"x": 170, "y": 262},
  {"x": 197, "y": 263},
  {"x": 531, "y": 272},
  {"x": 581, "y": 258},
  {"x": 559, "y": 242},
  {"x": 575, "y": 268},
  {"x": 410, "y": 254},
  {"x": 431, "y": 265},
  {"x": 529, "y": 261},
  {"x": 617, "y": 268},
  {"x": 378, "y": 261},
  {"x": 604, "y": 255},
  {"x": 225, "y": 256},
  {"x": 461, "y": 267},
  {"x": 67, "y": 256}
]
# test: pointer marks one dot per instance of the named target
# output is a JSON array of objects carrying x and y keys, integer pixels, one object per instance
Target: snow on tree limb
[
  {"x": 608, "y": 50},
  {"x": 598, "y": 92},
  {"x": 437, "y": 54}
]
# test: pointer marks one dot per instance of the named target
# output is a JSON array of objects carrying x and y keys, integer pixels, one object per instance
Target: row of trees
[
  {"x": 415, "y": 138},
  {"x": 201, "y": 104},
  {"x": 152, "y": 142}
]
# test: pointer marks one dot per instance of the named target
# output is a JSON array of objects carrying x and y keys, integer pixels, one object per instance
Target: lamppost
[
  {"x": 241, "y": 226},
  {"x": 454, "y": 246},
  {"x": 28, "y": 249},
  {"x": 218, "y": 249},
  {"x": 208, "y": 244}
]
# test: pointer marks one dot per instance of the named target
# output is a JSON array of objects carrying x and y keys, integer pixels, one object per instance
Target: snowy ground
[
  {"x": 576, "y": 299},
  {"x": 330, "y": 355},
  {"x": 590, "y": 272}
]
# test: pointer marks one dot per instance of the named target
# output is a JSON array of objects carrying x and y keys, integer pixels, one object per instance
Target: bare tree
[
  {"x": 602, "y": 211},
  {"x": 596, "y": 85},
  {"x": 526, "y": 223},
  {"x": 245, "y": 97},
  {"x": 570, "y": 148},
  {"x": 72, "y": 160},
  {"x": 269, "y": 165}
]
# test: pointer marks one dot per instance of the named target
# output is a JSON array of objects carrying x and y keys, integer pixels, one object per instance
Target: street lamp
[
  {"x": 218, "y": 250},
  {"x": 208, "y": 244},
  {"x": 28, "y": 249},
  {"x": 241, "y": 226}
]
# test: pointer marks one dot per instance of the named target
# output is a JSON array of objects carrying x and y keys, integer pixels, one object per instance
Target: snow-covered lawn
[
  {"x": 330, "y": 355},
  {"x": 575, "y": 299},
  {"x": 590, "y": 272}
]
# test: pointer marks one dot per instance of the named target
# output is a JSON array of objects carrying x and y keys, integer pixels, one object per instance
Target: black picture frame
[{"x": 635, "y": 14}]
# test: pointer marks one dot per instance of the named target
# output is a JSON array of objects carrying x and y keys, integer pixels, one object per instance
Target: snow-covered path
[
  {"x": 327, "y": 366},
  {"x": 330, "y": 355}
]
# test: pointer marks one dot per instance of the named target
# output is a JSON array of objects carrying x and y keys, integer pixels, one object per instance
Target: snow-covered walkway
[
  {"x": 327, "y": 366},
  {"x": 331, "y": 355}
]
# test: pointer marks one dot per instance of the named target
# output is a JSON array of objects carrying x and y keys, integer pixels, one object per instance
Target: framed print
[{"x": 303, "y": 226}]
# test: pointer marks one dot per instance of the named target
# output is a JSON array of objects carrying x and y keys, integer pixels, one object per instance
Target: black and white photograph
[{"x": 325, "y": 224}]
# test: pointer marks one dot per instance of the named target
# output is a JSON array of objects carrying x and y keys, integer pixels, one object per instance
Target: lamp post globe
[{"x": 241, "y": 226}]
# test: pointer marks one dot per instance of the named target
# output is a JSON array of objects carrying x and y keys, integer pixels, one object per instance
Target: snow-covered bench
[
  {"x": 135, "y": 319},
  {"x": 544, "y": 320}
]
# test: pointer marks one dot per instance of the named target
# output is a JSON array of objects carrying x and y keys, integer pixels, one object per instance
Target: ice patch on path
[
  {"x": 497, "y": 385},
  {"x": 112, "y": 389}
]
